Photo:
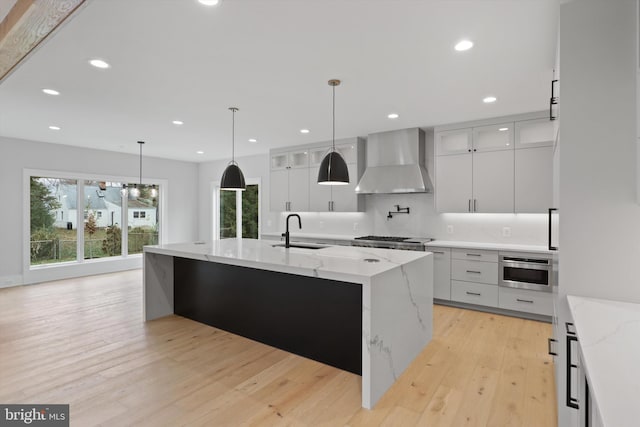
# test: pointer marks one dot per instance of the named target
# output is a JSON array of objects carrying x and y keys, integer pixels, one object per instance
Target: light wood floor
[{"x": 83, "y": 342}]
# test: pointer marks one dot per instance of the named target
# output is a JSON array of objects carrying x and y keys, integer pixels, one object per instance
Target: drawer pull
[
  {"x": 474, "y": 293},
  {"x": 524, "y": 300},
  {"x": 474, "y": 254},
  {"x": 438, "y": 252},
  {"x": 473, "y": 271}
]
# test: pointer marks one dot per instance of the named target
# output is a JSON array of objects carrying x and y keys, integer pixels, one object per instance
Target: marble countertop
[
  {"x": 313, "y": 236},
  {"x": 489, "y": 246},
  {"x": 609, "y": 338},
  {"x": 345, "y": 263}
]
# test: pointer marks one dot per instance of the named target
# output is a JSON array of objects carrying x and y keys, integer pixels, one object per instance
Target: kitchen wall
[
  {"x": 422, "y": 221},
  {"x": 17, "y": 155}
]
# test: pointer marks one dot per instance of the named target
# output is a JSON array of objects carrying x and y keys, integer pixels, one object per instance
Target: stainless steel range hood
[{"x": 395, "y": 163}]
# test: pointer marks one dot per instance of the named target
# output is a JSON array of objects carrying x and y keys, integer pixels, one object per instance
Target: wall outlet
[
  {"x": 449, "y": 229},
  {"x": 321, "y": 224},
  {"x": 355, "y": 226},
  {"x": 506, "y": 231},
  {"x": 269, "y": 223}
]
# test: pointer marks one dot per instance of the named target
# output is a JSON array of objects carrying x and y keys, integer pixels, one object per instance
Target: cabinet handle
[
  {"x": 551, "y": 248},
  {"x": 524, "y": 300},
  {"x": 469, "y": 205},
  {"x": 549, "y": 341},
  {"x": 474, "y": 293},
  {"x": 553, "y": 100},
  {"x": 474, "y": 254},
  {"x": 438, "y": 252},
  {"x": 475, "y": 201},
  {"x": 473, "y": 271},
  {"x": 332, "y": 206},
  {"x": 570, "y": 327},
  {"x": 572, "y": 402}
]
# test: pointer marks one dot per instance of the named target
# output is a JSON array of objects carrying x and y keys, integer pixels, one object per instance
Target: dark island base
[{"x": 316, "y": 318}]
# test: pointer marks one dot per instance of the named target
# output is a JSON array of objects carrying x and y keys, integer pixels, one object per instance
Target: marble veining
[
  {"x": 609, "y": 339},
  {"x": 397, "y": 294}
]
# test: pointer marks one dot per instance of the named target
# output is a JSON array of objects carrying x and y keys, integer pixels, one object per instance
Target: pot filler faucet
[{"x": 286, "y": 233}]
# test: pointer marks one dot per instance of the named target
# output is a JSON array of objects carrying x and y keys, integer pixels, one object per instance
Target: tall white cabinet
[
  {"x": 474, "y": 169},
  {"x": 500, "y": 165},
  {"x": 294, "y": 176}
]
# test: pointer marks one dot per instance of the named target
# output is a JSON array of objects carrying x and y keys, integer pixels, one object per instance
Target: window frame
[
  {"x": 35, "y": 273},
  {"x": 215, "y": 214}
]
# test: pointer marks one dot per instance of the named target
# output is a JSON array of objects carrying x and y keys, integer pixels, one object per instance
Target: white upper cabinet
[
  {"x": 453, "y": 142},
  {"x": 294, "y": 178},
  {"x": 497, "y": 165},
  {"x": 289, "y": 181},
  {"x": 349, "y": 152},
  {"x": 299, "y": 159},
  {"x": 535, "y": 133},
  {"x": 344, "y": 197},
  {"x": 533, "y": 179},
  {"x": 279, "y": 161},
  {"x": 454, "y": 191},
  {"x": 493, "y": 138},
  {"x": 493, "y": 182}
]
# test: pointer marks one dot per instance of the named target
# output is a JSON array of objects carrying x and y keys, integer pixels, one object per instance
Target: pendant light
[
  {"x": 232, "y": 177},
  {"x": 333, "y": 169}
]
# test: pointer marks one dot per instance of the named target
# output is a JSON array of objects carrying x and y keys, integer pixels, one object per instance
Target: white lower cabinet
[
  {"x": 474, "y": 271},
  {"x": 474, "y": 293},
  {"x": 535, "y": 302},
  {"x": 441, "y": 273}
]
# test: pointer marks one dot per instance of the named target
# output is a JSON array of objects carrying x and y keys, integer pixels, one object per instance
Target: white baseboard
[
  {"x": 10, "y": 281},
  {"x": 87, "y": 268}
]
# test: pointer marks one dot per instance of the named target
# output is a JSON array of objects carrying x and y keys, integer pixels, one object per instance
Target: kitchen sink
[{"x": 301, "y": 245}]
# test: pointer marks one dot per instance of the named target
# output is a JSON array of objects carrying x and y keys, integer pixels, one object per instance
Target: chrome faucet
[{"x": 286, "y": 233}]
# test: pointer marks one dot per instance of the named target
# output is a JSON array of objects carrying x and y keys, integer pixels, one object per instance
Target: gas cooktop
[{"x": 392, "y": 242}]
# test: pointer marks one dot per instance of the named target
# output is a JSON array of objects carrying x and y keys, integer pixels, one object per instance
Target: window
[
  {"x": 238, "y": 213},
  {"x": 99, "y": 219},
  {"x": 144, "y": 219},
  {"x": 52, "y": 241}
]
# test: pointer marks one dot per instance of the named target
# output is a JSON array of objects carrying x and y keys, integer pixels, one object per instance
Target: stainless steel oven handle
[{"x": 524, "y": 265}]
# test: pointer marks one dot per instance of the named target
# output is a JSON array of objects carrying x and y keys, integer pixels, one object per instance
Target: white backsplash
[{"x": 422, "y": 221}]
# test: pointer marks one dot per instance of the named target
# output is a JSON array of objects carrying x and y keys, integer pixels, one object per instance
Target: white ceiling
[{"x": 178, "y": 59}]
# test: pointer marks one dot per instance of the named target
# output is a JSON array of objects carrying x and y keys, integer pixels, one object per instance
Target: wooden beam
[{"x": 29, "y": 23}]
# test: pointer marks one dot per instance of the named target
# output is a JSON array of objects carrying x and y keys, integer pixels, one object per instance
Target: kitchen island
[{"x": 365, "y": 310}]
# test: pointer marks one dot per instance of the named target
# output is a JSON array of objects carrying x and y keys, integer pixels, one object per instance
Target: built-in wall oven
[{"x": 526, "y": 271}]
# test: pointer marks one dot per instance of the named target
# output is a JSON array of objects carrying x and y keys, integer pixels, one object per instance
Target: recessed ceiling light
[
  {"x": 199, "y": 152},
  {"x": 99, "y": 63},
  {"x": 178, "y": 122},
  {"x": 503, "y": 129},
  {"x": 489, "y": 99},
  {"x": 253, "y": 140},
  {"x": 304, "y": 130},
  {"x": 463, "y": 45},
  {"x": 54, "y": 127},
  {"x": 209, "y": 2},
  {"x": 51, "y": 91},
  {"x": 393, "y": 116}
]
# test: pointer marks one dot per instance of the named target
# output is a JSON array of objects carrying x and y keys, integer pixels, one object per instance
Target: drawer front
[
  {"x": 475, "y": 255},
  {"x": 527, "y": 301},
  {"x": 474, "y": 271},
  {"x": 441, "y": 273},
  {"x": 474, "y": 293}
]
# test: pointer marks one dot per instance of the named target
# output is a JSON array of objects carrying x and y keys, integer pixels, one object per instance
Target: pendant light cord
[
  {"x": 140, "y": 143},
  {"x": 233, "y": 134},
  {"x": 333, "y": 136}
]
